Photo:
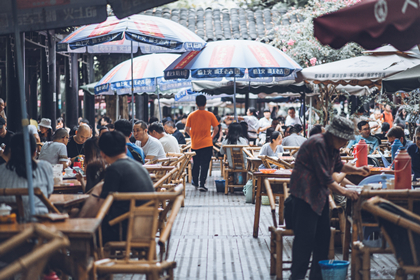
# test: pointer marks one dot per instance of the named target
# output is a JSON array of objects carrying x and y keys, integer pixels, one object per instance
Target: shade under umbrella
[
  {"x": 407, "y": 81},
  {"x": 147, "y": 77},
  {"x": 371, "y": 23}
]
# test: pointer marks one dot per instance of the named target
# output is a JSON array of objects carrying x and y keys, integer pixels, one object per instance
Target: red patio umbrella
[{"x": 372, "y": 23}]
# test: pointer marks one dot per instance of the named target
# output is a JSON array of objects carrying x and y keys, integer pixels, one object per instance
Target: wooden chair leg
[
  {"x": 273, "y": 253},
  {"x": 279, "y": 256},
  {"x": 254, "y": 181},
  {"x": 184, "y": 190},
  {"x": 189, "y": 173},
  {"x": 210, "y": 167},
  {"x": 281, "y": 209},
  {"x": 331, "y": 250},
  {"x": 226, "y": 183},
  {"x": 366, "y": 264}
]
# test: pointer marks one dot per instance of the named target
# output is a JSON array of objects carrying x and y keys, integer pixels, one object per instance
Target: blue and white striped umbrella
[
  {"x": 233, "y": 59},
  {"x": 147, "y": 74}
]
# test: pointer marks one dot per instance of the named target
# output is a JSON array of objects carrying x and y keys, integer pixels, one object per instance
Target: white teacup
[{"x": 68, "y": 171}]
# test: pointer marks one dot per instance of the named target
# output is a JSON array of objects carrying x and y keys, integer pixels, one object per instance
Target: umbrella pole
[
  {"x": 117, "y": 104},
  {"x": 310, "y": 113},
  {"x": 234, "y": 99},
  {"x": 25, "y": 121},
  {"x": 160, "y": 108},
  {"x": 132, "y": 88},
  {"x": 304, "y": 112}
]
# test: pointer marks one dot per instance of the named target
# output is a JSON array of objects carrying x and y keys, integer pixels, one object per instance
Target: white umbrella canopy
[{"x": 366, "y": 70}]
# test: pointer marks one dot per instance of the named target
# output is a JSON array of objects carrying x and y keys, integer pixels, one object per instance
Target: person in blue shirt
[
  {"x": 364, "y": 130},
  {"x": 133, "y": 151},
  {"x": 414, "y": 152},
  {"x": 397, "y": 132}
]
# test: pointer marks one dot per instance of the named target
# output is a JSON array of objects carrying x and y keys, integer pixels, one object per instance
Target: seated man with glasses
[
  {"x": 364, "y": 130},
  {"x": 55, "y": 152}
]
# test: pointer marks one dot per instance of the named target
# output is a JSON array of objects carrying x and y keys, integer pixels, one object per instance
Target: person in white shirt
[
  {"x": 292, "y": 119},
  {"x": 55, "y": 152},
  {"x": 152, "y": 148},
  {"x": 253, "y": 124},
  {"x": 169, "y": 143},
  {"x": 264, "y": 124},
  {"x": 375, "y": 122}
]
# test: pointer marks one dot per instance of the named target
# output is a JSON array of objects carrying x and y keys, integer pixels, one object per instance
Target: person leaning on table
[{"x": 307, "y": 208}]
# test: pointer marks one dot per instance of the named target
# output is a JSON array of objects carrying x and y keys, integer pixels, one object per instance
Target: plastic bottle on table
[
  {"x": 402, "y": 167},
  {"x": 361, "y": 151}
]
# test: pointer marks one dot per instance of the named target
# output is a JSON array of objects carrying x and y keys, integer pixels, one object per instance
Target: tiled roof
[{"x": 224, "y": 24}]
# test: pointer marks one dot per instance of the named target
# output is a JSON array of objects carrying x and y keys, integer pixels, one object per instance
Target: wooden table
[
  {"x": 82, "y": 235},
  {"x": 259, "y": 176},
  {"x": 66, "y": 201},
  {"x": 68, "y": 186}
]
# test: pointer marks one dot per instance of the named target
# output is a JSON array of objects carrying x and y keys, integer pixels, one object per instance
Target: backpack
[{"x": 135, "y": 154}]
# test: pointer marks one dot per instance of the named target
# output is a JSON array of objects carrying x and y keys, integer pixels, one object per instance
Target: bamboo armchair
[
  {"x": 338, "y": 219},
  {"x": 269, "y": 161},
  {"x": 181, "y": 176},
  {"x": 401, "y": 229},
  {"x": 18, "y": 204},
  {"x": 292, "y": 149},
  {"x": 143, "y": 225},
  {"x": 187, "y": 148},
  {"x": 157, "y": 171},
  {"x": 361, "y": 254},
  {"x": 252, "y": 151},
  {"x": 278, "y": 232},
  {"x": 282, "y": 192},
  {"x": 235, "y": 163},
  {"x": 163, "y": 201},
  {"x": 31, "y": 265},
  {"x": 216, "y": 158}
]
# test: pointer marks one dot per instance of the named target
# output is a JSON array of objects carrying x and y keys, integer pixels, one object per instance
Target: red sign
[
  {"x": 139, "y": 69},
  {"x": 222, "y": 56},
  {"x": 263, "y": 56},
  {"x": 148, "y": 28},
  {"x": 30, "y": 4},
  {"x": 187, "y": 59},
  {"x": 104, "y": 27}
]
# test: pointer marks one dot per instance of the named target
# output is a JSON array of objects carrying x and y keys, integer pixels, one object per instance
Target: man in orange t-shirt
[
  {"x": 387, "y": 115},
  {"x": 198, "y": 127}
]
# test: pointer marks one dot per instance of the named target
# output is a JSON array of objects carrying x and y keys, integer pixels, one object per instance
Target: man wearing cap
[
  {"x": 264, "y": 124},
  {"x": 307, "y": 208},
  {"x": 45, "y": 130},
  {"x": 55, "y": 152},
  {"x": 5, "y": 136}
]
